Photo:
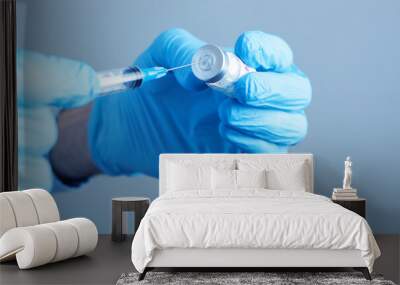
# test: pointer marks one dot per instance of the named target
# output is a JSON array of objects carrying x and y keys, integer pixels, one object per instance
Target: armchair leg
[{"x": 364, "y": 271}]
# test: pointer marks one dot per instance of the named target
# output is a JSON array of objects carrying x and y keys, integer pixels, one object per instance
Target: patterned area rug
[{"x": 269, "y": 278}]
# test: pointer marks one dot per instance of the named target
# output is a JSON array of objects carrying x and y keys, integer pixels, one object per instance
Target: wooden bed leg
[
  {"x": 364, "y": 271},
  {"x": 143, "y": 274}
]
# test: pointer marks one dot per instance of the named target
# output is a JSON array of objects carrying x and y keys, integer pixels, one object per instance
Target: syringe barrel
[{"x": 115, "y": 80}]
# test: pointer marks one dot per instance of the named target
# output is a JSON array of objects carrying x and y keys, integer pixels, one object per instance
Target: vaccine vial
[{"x": 218, "y": 68}]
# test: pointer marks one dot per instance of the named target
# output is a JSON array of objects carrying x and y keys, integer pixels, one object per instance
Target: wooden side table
[
  {"x": 138, "y": 205},
  {"x": 358, "y": 205}
]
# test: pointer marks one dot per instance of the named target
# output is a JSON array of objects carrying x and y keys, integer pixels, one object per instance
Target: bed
[{"x": 246, "y": 211}]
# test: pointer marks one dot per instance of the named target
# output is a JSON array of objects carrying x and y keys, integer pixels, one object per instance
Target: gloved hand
[
  {"x": 46, "y": 84},
  {"x": 179, "y": 113}
]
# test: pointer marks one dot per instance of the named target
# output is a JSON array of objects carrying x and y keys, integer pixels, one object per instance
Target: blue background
[{"x": 349, "y": 49}]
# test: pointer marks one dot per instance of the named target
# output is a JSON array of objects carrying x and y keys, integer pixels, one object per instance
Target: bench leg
[{"x": 364, "y": 271}]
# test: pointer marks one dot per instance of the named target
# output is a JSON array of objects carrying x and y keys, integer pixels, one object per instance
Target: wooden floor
[
  {"x": 110, "y": 260},
  {"x": 389, "y": 262}
]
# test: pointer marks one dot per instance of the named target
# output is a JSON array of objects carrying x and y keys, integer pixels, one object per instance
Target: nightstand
[
  {"x": 138, "y": 205},
  {"x": 358, "y": 205}
]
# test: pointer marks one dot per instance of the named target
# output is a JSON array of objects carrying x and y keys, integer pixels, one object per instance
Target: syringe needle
[{"x": 179, "y": 67}]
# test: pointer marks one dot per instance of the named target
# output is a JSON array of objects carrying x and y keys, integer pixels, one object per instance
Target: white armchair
[{"x": 31, "y": 230}]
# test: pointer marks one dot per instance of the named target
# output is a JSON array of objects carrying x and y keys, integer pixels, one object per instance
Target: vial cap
[{"x": 208, "y": 63}]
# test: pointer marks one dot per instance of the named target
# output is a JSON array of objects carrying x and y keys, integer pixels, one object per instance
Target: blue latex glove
[
  {"x": 179, "y": 113},
  {"x": 46, "y": 84}
]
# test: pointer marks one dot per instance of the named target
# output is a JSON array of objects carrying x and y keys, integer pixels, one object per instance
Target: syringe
[{"x": 129, "y": 78}]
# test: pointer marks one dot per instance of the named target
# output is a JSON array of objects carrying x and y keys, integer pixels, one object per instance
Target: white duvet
[{"x": 250, "y": 219}]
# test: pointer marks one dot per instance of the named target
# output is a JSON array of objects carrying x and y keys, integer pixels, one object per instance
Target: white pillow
[
  {"x": 235, "y": 179},
  {"x": 185, "y": 177},
  {"x": 223, "y": 179},
  {"x": 282, "y": 174},
  {"x": 251, "y": 178},
  {"x": 290, "y": 179}
]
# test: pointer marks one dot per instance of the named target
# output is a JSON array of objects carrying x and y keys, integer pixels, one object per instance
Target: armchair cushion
[
  {"x": 40, "y": 244},
  {"x": 31, "y": 232}
]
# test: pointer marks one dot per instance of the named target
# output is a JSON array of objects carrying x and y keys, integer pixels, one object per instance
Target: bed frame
[{"x": 249, "y": 259}]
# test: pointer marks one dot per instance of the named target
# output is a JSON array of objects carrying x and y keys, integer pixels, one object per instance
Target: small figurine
[{"x": 347, "y": 174}]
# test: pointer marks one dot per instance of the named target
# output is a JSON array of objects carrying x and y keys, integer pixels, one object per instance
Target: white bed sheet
[{"x": 250, "y": 218}]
